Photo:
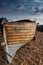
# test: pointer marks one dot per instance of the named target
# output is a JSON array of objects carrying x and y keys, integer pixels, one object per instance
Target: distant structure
[{"x": 40, "y": 28}]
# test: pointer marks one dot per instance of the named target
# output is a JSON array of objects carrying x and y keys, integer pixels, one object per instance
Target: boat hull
[
  {"x": 16, "y": 35},
  {"x": 19, "y": 32}
]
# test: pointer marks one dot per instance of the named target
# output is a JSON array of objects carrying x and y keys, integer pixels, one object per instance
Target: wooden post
[{"x": 4, "y": 36}]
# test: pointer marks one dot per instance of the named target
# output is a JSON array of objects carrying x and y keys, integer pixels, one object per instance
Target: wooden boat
[{"x": 17, "y": 34}]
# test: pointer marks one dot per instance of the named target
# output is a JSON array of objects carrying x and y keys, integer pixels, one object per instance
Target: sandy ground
[{"x": 30, "y": 54}]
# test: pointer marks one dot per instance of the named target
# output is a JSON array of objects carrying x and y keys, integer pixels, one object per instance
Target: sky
[{"x": 22, "y": 9}]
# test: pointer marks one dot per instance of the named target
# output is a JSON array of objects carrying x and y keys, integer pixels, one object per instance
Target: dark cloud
[{"x": 27, "y": 6}]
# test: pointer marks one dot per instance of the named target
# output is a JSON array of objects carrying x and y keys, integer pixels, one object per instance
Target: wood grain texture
[{"x": 19, "y": 32}]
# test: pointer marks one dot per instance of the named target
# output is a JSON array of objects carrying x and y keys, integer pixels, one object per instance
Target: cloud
[
  {"x": 5, "y": 4},
  {"x": 36, "y": 0},
  {"x": 25, "y": 0},
  {"x": 30, "y": 0},
  {"x": 40, "y": 6},
  {"x": 41, "y": 0},
  {"x": 28, "y": 6},
  {"x": 20, "y": 7},
  {"x": 32, "y": 8},
  {"x": 2, "y": 5}
]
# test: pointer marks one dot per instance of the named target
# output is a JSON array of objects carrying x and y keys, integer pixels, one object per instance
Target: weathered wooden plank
[
  {"x": 19, "y": 32},
  {"x": 19, "y": 24},
  {"x": 18, "y": 41}
]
